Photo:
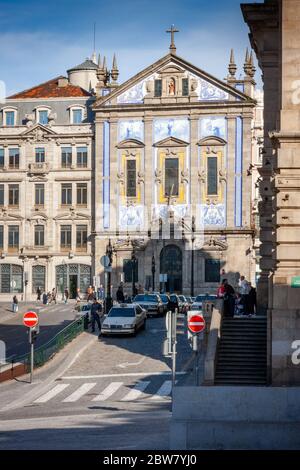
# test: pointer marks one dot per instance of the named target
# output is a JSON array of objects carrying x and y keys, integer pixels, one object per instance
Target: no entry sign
[
  {"x": 30, "y": 319},
  {"x": 196, "y": 323}
]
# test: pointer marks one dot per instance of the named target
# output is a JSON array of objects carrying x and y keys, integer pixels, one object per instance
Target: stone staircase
[{"x": 242, "y": 352}]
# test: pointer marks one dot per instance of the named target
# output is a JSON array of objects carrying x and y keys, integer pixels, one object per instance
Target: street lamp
[
  {"x": 133, "y": 266},
  {"x": 108, "y": 299},
  {"x": 153, "y": 273}
]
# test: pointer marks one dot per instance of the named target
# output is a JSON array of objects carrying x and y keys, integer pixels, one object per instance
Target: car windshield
[
  {"x": 146, "y": 298},
  {"x": 182, "y": 298},
  {"x": 122, "y": 312},
  {"x": 173, "y": 298},
  {"x": 164, "y": 298}
]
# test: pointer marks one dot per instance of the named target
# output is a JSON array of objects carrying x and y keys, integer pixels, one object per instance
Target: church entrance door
[{"x": 171, "y": 264}]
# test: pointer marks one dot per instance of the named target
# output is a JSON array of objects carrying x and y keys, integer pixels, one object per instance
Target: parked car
[
  {"x": 200, "y": 299},
  {"x": 165, "y": 300},
  {"x": 152, "y": 303},
  {"x": 124, "y": 319},
  {"x": 189, "y": 300}
]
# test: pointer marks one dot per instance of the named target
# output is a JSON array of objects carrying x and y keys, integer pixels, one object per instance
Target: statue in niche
[{"x": 172, "y": 87}]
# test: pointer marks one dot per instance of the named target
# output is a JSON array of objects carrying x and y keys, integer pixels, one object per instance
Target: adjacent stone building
[{"x": 275, "y": 37}]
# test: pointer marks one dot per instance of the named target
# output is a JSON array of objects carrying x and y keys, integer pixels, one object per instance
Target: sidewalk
[{"x": 6, "y": 312}]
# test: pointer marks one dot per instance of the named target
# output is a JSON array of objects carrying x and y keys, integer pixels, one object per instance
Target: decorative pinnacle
[
  {"x": 232, "y": 68},
  {"x": 114, "y": 71}
]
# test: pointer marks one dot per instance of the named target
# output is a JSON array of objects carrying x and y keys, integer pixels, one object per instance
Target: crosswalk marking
[
  {"x": 108, "y": 391},
  {"x": 52, "y": 393},
  {"x": 163, "y": 391},
  {"x": 79, "y": 392},
  {"x": 136, "y": 391}
]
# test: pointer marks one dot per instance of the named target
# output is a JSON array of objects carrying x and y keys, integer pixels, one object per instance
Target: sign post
[
  {"x": 169, "y": 346},
  {"x": 31, "y": 320},
  {"x": 196, "y": 325}
]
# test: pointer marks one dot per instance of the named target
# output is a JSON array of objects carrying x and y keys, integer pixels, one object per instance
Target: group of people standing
[
  {"x": 46, "y": 297},
  {"x": 240, "y": 303}
]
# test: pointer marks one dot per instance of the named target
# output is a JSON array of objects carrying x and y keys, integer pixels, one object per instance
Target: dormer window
[
  {"x": 43, "y": 116},
  {"x": 76, "y": 114},
  {"x": 9, "y": 116}
]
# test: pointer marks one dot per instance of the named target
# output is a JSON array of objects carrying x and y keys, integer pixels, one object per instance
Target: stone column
[{"x": 230, "y": 171}]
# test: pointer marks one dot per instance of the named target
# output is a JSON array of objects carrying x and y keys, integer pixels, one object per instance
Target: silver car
[
  {"x": 124, "y": 319},
  {"x": 152, "y": 303}
]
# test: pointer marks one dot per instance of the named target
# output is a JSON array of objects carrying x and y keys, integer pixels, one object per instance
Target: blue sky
[{"x": 40, "y": 40}]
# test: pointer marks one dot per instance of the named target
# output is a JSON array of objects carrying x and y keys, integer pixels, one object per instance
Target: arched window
[
  {"x": 11, "y": 278},
  {"x": 38, "y": 278}
]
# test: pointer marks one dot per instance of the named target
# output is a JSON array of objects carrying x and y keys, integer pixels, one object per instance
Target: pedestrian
[
  {"x": 15, "y": 306},
  {"x": 54, "y": 295},
  {"x": 38, "y": 293},
  {"x": 244, "y": 289},
  {"x": 252, "y": 310},
  {"x": 96, "y": 308},
  {"x": 120, "y": 295},
  {"x": 135, "y": 291},
  {"x": 140, "y": 289},
  {"x": 66, "y": 295},
  {"x": 239, "y": 309},
  {"x": 90, "y": 294},
  {"x": 221, "y": 290},
  {"x": 100, "y": 292},
  {"x": 45, "y": 298},
  {"x": 229, "y": 299},
  {"x": 78, "y": 298}
]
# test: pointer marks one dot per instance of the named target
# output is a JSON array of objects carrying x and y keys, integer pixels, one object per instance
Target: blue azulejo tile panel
[
  {"x": 213, "y": 126},
  {"x": 136, "y": 93},
  {"x": 238, "y": 172},
  {"x": 131, "y": 217},
  {"x": 172, "y": 127},
  {"x": 131, "y": 129},
  {"x": 213, "y": 215}
]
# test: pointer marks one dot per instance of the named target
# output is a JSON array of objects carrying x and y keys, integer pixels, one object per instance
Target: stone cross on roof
[{"x": 172, "y": 45}]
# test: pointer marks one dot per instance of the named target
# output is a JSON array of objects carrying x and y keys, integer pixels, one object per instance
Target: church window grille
[
  {"x": 212, "y": 176},
  {"x": 212, "y": 270},
  {"x": 185, "y": 87},
  {"x": 171, "y": 177},
  {"x": 157, "y": 88},
  {"x": 131, "y": 178},
  {"x": 128, "y": 268}
]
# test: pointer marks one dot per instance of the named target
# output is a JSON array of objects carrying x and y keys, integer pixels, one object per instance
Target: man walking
[
  {"x": 96, "y": 308},
  {"x": 244, "y": 291},
  {"x": 120, "y": 295}
]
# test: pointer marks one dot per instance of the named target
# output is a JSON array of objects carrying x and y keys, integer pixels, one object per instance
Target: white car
[{"x": 124, "y": 319}]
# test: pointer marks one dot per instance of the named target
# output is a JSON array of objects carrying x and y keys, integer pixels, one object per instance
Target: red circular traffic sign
[
  {"x": 196, "y": 323},
  {"x": 30, "y": 319}
]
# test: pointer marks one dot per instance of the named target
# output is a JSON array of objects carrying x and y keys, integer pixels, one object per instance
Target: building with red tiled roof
[{"x": 58, "y": 87}]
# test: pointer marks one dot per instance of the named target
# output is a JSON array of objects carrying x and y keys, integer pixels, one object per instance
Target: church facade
[
  {"x": 156, "y": 172},
  {"x": 173, "y": 149}
]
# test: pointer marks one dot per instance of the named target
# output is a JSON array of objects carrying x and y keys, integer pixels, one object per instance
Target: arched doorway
[{"x": 171, "y": 264}]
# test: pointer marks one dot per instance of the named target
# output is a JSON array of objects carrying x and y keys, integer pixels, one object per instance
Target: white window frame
[
  {"x": 41, "y": 108},
  {"x": 10, "y": 109},
  {"x": 76, "y": 107}
]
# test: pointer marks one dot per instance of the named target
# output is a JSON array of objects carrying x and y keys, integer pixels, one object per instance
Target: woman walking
[{"x": 15, "y": 302}]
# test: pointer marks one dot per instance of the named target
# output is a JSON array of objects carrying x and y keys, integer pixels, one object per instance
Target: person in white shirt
[{"x": 244, "y": 288}]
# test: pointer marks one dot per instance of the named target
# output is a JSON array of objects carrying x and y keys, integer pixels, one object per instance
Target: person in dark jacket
[
  {"x": 96, "y": 309},
  {"x": 229, "y": 299},
  {"x": 120, "y": 295},
  {"x": 173, "y": 303},
  {"x": 252, "y": 301}
]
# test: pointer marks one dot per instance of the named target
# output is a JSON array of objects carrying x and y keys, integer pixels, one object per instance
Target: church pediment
[
  {"x": 211, "y": 141},
  {"x": 130, "y": 143},
  {"x": 201, "y": 85},
  {"x": 171, "y": 142},
  {"x": 38, "y": 133}
]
